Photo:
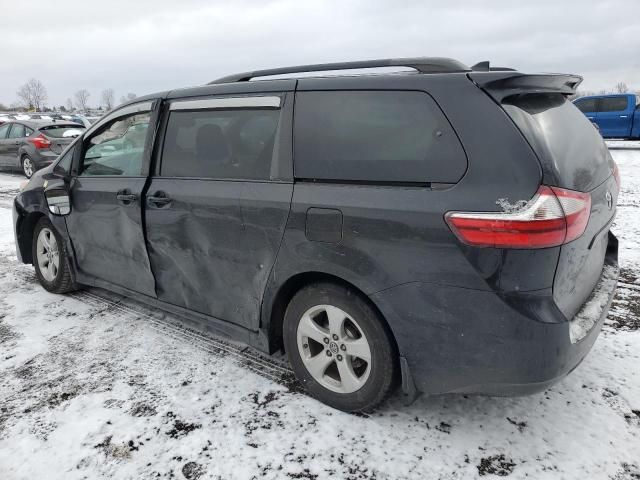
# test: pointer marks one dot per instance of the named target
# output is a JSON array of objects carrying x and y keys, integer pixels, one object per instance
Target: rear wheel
[
  {"x": 28, "y": 167},
  {"x": 339, "y": 347},
  {"x": 50, "y": 258}
]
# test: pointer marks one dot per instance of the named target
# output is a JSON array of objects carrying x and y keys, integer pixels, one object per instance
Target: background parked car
[
  {"x": 616, "y": 116},
  {"x": 31, "y": 145},
  {"x": 5, "y": 117}
]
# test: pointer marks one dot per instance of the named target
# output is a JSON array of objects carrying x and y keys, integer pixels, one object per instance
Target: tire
[
  {"x": 54, "y": 280},
  {"x": 330, "y": 330},
  {"x": 28, "y": 166}
]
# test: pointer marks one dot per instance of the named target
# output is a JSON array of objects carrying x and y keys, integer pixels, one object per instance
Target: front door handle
[
  {"x": 126, "y": 197},
  {"x": 159, "y": 200}
]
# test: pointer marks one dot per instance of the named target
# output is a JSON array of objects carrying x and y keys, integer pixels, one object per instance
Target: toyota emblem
[{"x": 609, "y": 200}]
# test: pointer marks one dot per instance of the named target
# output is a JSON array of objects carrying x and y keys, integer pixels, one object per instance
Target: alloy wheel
[
  {"x": 334, "y": 349},
  {"x": 28, "y": 167},
  {"x": 48, "y": 254}
]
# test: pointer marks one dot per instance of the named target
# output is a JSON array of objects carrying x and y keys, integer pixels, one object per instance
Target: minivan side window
[
  {"x": 220, "y": 143},
  {"x": 586, "y": 105},
  {"x": 374, "y": 136},
  {"x": 4, "y": 130},
  {"x": 613, "y": 104},
  {"x": 117, "y": 148}
]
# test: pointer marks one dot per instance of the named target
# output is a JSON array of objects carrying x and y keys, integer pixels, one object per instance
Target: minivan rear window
[
  {"x": 374, "y": 136},
  {"x": 571, "y": 151}
]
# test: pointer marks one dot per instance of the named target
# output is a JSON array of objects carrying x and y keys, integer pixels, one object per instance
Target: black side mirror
[{"x": 58, "y": 201}]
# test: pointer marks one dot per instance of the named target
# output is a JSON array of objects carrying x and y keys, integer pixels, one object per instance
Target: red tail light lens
[
  {"x": 554, "y": 216},
  {"x": 40, "y": 141}
]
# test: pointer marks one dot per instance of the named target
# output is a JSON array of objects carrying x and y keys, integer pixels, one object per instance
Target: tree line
[
  {"x": 620, "y": 87},
  {"x": 33, "y": 96}
]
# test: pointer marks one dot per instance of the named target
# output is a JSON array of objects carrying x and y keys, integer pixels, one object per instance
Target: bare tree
[
  {"x": 32, "y": 94},
  {"x": 108, "y": 98},
  {"x": 82, "y": 99},
  {"x": 621, "y": 87}
]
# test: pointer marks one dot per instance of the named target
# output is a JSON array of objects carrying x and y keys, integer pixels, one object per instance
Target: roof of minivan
[{"x": 420, "y": 64}]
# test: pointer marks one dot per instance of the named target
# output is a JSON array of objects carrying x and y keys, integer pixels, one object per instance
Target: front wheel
[
  {"x": 339, "y": 347},
  {"x": 28, "y": 167},
  {"x": 50, "y": 258}
]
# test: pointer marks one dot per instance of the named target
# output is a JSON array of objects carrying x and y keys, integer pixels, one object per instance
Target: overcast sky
[{"x": 145, "y": 46}]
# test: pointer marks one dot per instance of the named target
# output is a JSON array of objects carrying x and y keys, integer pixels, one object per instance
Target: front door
[
  {"x": 217, "y": 209},
  {"x": 5, "y": 158},
  {"x": 10, "y": 142},
  {"x": 105, "y": 224}
]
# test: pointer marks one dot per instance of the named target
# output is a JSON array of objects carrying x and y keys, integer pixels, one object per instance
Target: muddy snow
[{"x": 96, "y": 386}]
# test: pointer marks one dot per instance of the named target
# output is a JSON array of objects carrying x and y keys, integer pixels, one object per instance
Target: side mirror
[{"x": 58, "y": 201}]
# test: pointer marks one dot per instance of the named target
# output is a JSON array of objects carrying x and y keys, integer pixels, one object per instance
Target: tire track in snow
[
  {"x": 263, "y": 365},
  {"x": 254, "y": 361}
]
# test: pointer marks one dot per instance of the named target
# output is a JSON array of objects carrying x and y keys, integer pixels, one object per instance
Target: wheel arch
[
  {"x": 25, "y": 238},
  {"x": 274, "y": 318}
]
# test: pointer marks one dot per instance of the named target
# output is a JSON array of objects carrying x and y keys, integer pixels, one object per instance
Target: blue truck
[{"x": 617, "y": 116}]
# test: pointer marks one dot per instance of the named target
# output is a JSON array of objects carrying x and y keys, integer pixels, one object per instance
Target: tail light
[
  {"x": 40, "y": 141},
  {"x": 554, "y": 216}
]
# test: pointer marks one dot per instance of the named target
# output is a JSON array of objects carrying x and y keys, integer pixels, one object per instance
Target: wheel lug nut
[
  {"x": 326, "y": 340},
  {"x": 335, "y": 337},
  {"x": 339, "y": 358},
  {"x": 328, "y": 353},
  {"x": 343, "y": 347},
  {"x": 305, "y": 346}
]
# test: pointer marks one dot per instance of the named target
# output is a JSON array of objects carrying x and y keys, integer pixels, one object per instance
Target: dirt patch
[
  {"x": 118, "y": 451},
  {"x": 180, "y": 428},
  {"x": 496, "y": 465},
  {"x": 142, "y": 409},
  {"x": 192, "y": 470}
]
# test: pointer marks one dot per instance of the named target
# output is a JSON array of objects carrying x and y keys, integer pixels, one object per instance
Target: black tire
[
  {"x": 63, "y": 281},
  {"x": 384, "y": 359},
  {"x": 22, "y": 165}
]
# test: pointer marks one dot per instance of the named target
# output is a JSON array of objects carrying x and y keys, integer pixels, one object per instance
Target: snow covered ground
[{"x": 95, "y": 386}]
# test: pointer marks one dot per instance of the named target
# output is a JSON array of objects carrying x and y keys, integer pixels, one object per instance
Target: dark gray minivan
[{"x": 445, "y": 229}]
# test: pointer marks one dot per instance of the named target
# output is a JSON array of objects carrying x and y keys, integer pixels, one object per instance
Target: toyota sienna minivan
[{"x": 444, "y": 229}]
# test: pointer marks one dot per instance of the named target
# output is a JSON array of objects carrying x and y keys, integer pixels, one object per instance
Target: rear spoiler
[{"x": 501, "y": 85}]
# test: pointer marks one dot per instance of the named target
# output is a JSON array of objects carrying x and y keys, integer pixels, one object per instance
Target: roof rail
[{"x": 421, "y": 64}]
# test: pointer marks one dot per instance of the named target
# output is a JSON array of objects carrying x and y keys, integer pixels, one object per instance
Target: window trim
[{"x": 223, "y": 103}]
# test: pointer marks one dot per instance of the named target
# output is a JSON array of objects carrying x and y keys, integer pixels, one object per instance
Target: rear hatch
[
  {"x": 573, "y": 156},
  {"x": 61, "y": 135}
]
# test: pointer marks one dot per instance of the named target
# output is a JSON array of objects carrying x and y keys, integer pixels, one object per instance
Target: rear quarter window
[{"x": 376, "y": 136}]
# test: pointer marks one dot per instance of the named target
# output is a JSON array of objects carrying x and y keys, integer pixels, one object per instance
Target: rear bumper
[{"x": 463, "y": 340}]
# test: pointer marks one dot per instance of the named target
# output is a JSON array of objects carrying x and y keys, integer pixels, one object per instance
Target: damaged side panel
[{"x": 213, "y": 249}]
